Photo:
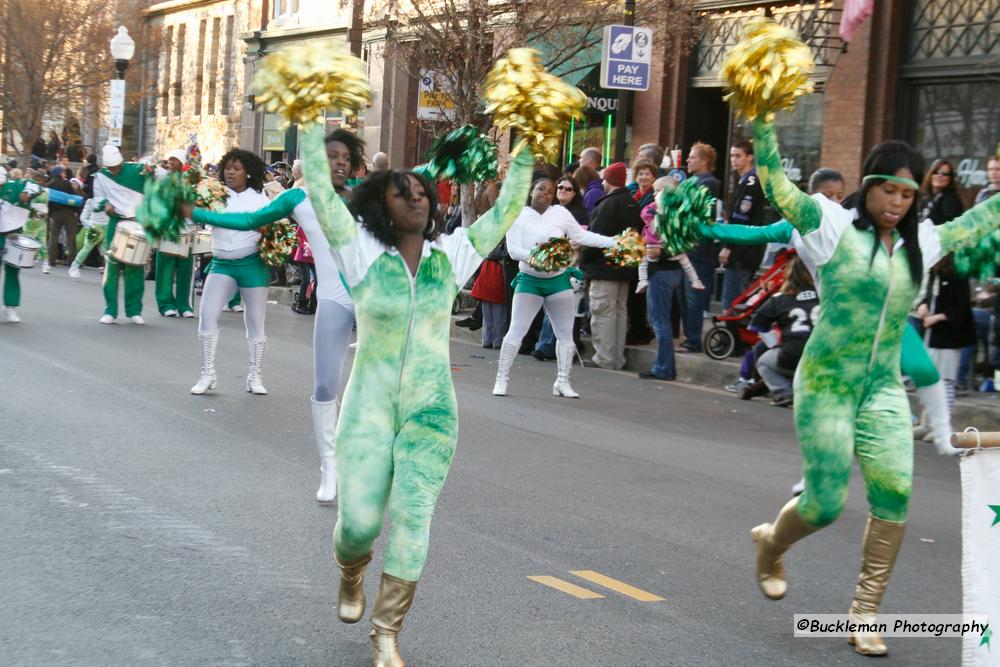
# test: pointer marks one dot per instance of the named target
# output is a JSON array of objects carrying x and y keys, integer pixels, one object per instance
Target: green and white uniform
[
  {"x": 10, "y": 194},
  {"x": 94, "y": 221},
  {"x": 172, "y": 270},
  {"x": 398, "y": 426},
  {"x": 37, "y": 226},
  {"x": 124, "y": 191},
  {"x": 849, "y": 397}
]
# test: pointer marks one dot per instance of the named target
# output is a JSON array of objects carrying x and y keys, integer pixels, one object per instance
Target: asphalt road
[{"x": 142, "y": 525}]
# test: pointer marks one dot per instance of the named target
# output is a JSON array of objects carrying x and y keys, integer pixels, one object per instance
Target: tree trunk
[{"x": 468, "y": 203}]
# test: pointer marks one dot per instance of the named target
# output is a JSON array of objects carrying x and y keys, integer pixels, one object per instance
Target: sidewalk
[{"x": 981, "y": 410}]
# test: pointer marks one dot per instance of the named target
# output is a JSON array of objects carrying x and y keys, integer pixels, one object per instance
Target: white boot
[
  {"x": 255, "y": 383},
  {"x": 938, "y": 417},
  {"x": 10, "y": 314},
  {"x": 508, "y": 350},
  {"x": 207, "y": 380},
  {"x": 74, "y": 270},
  {"x": 325, "y": 429},
  {"x": 564, "y": 361},
  {"x": 46, "y": 267}
]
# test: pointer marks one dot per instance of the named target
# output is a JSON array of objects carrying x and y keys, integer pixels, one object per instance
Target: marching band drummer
[
  {"x": 171, "y": 269},
  {"x": 12, "y": 194},
  {"x": 121, "y": 185}
]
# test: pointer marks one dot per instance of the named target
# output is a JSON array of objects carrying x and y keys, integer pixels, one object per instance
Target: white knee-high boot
[
  {"x": 208, "y": 341},
  {"x": 564, "y": 361},
  {"x": 255, "y": 382},
  {"x": 507, "y": 353},
  {"x": 935, "y": 402},
  {"x": 325, "y": 428}
]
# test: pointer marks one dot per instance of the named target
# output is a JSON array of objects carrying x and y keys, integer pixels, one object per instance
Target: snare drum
[
  {"x": 12, "y": 217},
  {"x": 20, "y": 251},
  {"x": 129, "y": 245},
  {"x": 181, "y": 247},
  {"x": 201, "y": 242}
]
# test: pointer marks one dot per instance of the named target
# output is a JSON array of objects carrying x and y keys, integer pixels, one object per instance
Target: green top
[
  {"x": 132, "y": 175},
  {"x": 11, "y": 191}
]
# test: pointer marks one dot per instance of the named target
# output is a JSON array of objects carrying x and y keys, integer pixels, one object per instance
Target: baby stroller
[{"x": 730, "y": 332}]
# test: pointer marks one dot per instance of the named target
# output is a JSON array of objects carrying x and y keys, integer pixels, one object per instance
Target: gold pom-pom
[
  {"x": 767, "y": 71},
  {"x": 521, "y": 95},
  {"x": 301, "y": 81},
  {"x": 628, "y": 251}
]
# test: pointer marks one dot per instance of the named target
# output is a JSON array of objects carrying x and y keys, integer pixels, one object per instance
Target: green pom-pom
[
  {"x": 979, "y": 261},
  {"x": 679, "y": 212},
  {"x": 277, "y": 242},
  {"x": 463, "y": 155},
  {"x": 160, "y": 211}
]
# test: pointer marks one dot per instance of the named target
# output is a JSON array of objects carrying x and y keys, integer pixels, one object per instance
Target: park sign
[{"x": 626, "y": 54}]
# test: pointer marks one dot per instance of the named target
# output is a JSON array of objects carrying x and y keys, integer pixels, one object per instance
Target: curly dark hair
[
  {"x": 354, "y": 144},
  {"x": 368, "y": 204},
  {"x": 251, "y": 162}
]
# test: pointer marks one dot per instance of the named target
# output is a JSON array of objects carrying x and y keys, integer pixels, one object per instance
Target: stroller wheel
[{"x": 719, "y": 342}]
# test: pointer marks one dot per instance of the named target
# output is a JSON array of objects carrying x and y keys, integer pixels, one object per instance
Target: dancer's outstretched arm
[
  {"x": 279, "y": 207},
  {"x": 736, "y": 234},
  {"x": 797, "y": 207},
  {"x": 967, "y": 229},
  {"x": 334, "y": 219},
  {"x": 486, "y": 232}
]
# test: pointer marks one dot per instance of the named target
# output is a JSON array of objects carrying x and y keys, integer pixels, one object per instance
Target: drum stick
[{"x": 969, "y": 440}]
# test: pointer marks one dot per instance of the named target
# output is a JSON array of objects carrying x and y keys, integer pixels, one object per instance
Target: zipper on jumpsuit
[
  {"x": 409, "y": 324},
  {"x": 881, "y": 318}
]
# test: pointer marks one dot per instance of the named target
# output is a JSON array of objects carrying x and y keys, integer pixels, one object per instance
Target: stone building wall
[{"x": 200, "y": 84}]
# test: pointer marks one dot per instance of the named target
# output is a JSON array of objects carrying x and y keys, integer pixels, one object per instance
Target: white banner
[
  {"x": 116, "y": 111},
  {"x": 981, "y": 553}
]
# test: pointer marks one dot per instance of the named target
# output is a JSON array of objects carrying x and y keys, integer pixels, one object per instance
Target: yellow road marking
[
  {"x": 568, "y": 588},
  {"x": 617, "y": 586}
]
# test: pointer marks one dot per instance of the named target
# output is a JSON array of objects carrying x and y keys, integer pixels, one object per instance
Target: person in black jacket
[
  {"x": 61, "y": 217},
  {"x": 946, "y": 314},
  {"x": 942, "y": 202},
  {"x": 609, "y": 284},
  {"x": 747, "y": 206}
]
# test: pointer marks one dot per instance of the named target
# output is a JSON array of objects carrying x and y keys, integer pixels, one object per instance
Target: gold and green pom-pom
[
  {"x": 277, "y": 242},
  {"x": 522, "y": 96},
  {"x": 303, "y": 80},
  {"x": 679, "y": 212},
  {"x": 979, "y": 261},
  {"x": 628, "y": 251},
  {"x": 160, "y": 211},
  {"x": 767, "y": 71},
  {"x": 553, "y": 255},
  {"x": 463, "y": 155}
]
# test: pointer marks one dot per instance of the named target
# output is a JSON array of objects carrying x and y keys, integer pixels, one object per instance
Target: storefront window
[
  {"x": 801, "y": 133},
  {"x": 959, "y": 122}
]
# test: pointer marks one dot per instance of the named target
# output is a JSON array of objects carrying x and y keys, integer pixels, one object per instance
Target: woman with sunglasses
[
  {"x": 539, "y": 222},
  {"x": 941, "y": 200},
  {"x": 849, "y": 397},
  {"x": 568, "y": 196}
]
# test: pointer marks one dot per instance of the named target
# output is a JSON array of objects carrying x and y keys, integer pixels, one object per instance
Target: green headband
[{"x": 895, "y": 179}]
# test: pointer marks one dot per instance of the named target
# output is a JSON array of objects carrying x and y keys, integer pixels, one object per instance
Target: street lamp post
[{"x": 122, "y": 50}]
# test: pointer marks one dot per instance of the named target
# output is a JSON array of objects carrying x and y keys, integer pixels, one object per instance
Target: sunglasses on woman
[
  {"x": 943, "y": 173},
  {"x": 564, "y": 188}
]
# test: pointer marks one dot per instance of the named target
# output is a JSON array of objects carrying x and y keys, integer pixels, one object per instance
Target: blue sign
[{"x": 626, "y": 56}]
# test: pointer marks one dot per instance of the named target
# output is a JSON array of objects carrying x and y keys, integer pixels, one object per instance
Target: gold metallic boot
[
  {"x": 394, "y": 599},
  {"x": 351, "y": 605},
  {"x": 772, "y": 542},
  {"x": 881, "y": 544}
]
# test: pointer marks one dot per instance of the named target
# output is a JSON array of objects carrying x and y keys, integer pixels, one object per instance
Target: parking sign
[{"x": 626, "y": 54}]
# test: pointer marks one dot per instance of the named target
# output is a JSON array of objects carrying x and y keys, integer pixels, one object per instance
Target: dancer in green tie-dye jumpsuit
[
  {"x": 914, "y": 360},
  {"x": 398, "y": 424},
  {"x": 849, "y": 397}
]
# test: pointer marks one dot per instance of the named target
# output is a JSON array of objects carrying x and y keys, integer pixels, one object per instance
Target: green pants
[
  {"x": 92, "y": 237},
  {"x": 134, "y": 277},
  {"x": 168, "y": 269},
  {"x": 38, "y": 229},
  {"x": 12, "y": 280}
]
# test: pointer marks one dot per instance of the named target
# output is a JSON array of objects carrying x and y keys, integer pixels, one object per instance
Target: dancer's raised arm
[
  {"x": 798, "y": 208},
  {"x": 486, "y": 232}
]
